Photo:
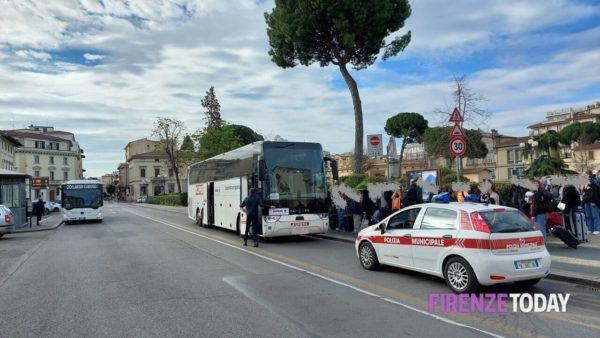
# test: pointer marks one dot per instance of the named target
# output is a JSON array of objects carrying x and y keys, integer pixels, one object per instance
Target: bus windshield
[
  {"x": 82, "y": 196},
  {"x": 295, "y": 172}
]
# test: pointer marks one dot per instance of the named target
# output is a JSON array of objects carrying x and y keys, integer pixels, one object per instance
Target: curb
[
  {"x": 573, "y": 279},
  {"x": 18, "y": 231},
  {"x": 580, "y": 280},
  {"x": 334, "y": 238}
]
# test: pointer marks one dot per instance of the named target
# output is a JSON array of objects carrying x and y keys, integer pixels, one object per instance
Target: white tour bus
[
  {"x": 81, "y": 200},
  {"x": 289, "y": 175}
]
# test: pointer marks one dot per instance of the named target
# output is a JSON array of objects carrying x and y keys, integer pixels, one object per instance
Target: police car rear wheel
[
  {"x": 460, "y": 276},
  {"x": 368, "y": 256}
]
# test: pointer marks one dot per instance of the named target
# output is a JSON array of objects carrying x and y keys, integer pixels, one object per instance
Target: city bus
[
  {"x": 81, "y": 200},
  {"x": 289, "y": 175}
]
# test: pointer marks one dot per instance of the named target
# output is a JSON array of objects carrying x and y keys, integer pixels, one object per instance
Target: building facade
[
  {"x": 147, "y": 171},
  {"x": 48, "y": 153},
  {"x": 8, "y": 144},
  {"x": 575, "y": 156}
]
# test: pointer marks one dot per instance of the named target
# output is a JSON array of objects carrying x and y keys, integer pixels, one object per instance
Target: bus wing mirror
[
  {"x": 262, "y": 170},
  {"x": 334, "y": 168}
]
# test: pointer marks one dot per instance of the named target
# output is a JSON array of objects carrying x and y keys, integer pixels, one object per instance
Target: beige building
[
  {"x": 575, "y": 156},
  {"x": 8, "y": 144},
  {"x": 147, "y": 171},
  {"x": 372, "y": 166},
  {"x": 48, "y": 153}
]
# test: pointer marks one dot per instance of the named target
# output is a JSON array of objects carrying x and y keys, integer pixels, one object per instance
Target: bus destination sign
[{"x": 81, "y": 186}]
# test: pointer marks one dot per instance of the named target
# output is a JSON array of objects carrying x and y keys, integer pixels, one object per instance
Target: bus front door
[{"x": 211, "y": 204}]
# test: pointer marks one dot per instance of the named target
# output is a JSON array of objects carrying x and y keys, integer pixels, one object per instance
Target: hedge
[{"x": 169, "y": 199}]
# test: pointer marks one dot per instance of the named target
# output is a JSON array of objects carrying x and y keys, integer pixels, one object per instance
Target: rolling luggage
[
  {"x": 565, "y": 236},
  {"x": 578, "y": 226}
]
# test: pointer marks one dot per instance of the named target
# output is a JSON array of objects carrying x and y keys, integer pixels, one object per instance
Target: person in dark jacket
[
  {"x": 541, "y": 205},
  {"x": 250, "y": 206},
  {"x": 571, "y": 199},
  {"x": 38, "y": 210},
  {"x": 367, "y": 205},
  {"x": 414, "y": 195}
]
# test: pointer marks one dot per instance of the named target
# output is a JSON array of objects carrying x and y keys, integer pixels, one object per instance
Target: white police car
[{"x": 467, "y": 244}]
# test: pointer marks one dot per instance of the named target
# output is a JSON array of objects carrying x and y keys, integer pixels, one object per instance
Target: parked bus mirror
[
  {"x": 334, "y": 167},
  {"x": 262, "y": 170}
]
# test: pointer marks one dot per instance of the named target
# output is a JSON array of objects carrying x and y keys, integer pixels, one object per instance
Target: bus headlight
[{"x": 273, "y": 218}]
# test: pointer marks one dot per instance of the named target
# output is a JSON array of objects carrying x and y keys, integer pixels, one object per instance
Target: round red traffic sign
[
  {"x": 374, "y": 140},
  {"x": 458, "y": 146}
]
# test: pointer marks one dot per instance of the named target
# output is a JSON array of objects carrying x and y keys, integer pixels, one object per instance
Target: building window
[
  {"x": 52, "y": 176},
  {"x": 37, "y": 194},
  {"x": 590, "y": 155},
  {"x": 156, "y": 172},
  {"x": 53, "y": 145},
  {"x": 156, "y": 160},
  {"x": 170, "y": 172},
  {"x": 51, "y": 160},
  {"x": 40, "y": 144},
  {"x": 66, "y": 175},
  {"x": 66, "y": 161},
  {"x": 518, "y": 156},
  {"x": 509, "y": 156},
  {"x": 36, "y": 159},
  {"x": 36, "y": 173},
  {"x": 171, "y": 187},
  {"x": 143, "y": 190},
  {"x": 142, "y": 172},
  {"x": 515, "y": 172}
]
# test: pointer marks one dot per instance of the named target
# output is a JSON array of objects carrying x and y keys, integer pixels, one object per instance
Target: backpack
[{"x": 443, "y": 197}]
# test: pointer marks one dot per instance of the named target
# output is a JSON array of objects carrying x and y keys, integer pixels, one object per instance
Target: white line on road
[{"x": 445, "y": 320}]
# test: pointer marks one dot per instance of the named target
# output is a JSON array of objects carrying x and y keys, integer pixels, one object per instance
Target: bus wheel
[
  {"x": 199, "y": 218},
  {"x": 237, "y": 226}
]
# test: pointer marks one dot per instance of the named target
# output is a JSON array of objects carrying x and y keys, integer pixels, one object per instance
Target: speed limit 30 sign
[{"x": 458, "y": 146}]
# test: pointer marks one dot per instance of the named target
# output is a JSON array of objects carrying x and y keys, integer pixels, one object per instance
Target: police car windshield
[{"x": 506, "y": 221}]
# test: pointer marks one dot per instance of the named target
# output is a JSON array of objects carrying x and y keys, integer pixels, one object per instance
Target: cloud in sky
[{"x": 106, "y": 70}]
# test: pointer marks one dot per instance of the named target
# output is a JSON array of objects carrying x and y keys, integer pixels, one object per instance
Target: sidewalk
[
  {"x": 49, "y": 222},
  {"x": 581, "y": 266}
]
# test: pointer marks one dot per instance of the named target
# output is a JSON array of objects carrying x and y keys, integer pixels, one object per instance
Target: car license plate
[{"x": 528, "y": 264}]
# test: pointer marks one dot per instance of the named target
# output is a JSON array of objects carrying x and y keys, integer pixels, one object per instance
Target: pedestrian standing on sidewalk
[
  {"x": 250, "y": 206},
  {"x": 542, "y": 204},
  {"x": 38, "y": 210},
  {"x": 397, "y": 200},
  {"x": 591, "y": 202}
]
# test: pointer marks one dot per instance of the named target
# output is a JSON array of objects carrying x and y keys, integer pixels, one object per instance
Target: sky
[{"x": 106, "y": 70}]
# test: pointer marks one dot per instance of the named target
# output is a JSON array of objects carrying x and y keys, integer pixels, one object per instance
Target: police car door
[
  {"x": 433, "y": 235},
  {"x": 395, "y": 244}
]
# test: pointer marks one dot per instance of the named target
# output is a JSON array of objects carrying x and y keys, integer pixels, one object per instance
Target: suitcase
[
  {"x": 579, "y": 227},
  {"x": 576, "y": 225},
  {"x": 565, "y": 236}
]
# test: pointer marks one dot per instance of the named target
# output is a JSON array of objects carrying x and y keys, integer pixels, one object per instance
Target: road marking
[{"x": 363, "y": 291}]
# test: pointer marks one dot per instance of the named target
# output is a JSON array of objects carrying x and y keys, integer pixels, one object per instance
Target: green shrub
[
  {"x": 168, "y": 199},
  {"x": 354, "y": 180},
  {"x": 504, "y": 190}
]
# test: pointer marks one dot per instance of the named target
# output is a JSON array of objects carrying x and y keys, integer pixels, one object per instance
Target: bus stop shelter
[{"x": 13, "y": 194}]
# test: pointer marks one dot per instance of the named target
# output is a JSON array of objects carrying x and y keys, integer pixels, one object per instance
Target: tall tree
[
  {"x": 169, "y": 133},
  {"x": 217, "y": 141},
  {"x": 342, "y": 33},
  {"x": 408, "y": 126},
  {"x": 547, "y": 141},
  {"x": 213, "y": 109},
  {"x": 245, "y": 134},
  {"x": 187, "y": 152}
]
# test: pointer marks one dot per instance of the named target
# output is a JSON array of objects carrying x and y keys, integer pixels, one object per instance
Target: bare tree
[
  {"x": 169, "y": 133},
  {"x": 213, "y": 110},
  {"x": 467, "y": 100}
]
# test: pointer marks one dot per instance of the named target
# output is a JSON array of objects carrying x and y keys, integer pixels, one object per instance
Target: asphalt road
[{"x": 147, "y": 272}]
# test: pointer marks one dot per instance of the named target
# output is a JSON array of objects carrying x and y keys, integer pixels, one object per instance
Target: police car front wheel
[{"x": 368, "y": 256}]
